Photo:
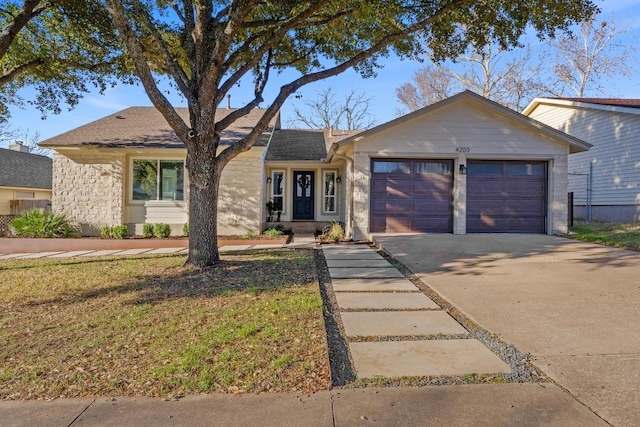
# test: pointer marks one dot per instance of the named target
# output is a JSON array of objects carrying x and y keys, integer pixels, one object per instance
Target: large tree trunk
[{"x": 204, "y": 184}]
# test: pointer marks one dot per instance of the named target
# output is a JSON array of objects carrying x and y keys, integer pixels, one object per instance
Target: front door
[{"x": 303, "y": 195}]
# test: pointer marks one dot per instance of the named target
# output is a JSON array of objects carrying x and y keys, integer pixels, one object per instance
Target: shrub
[
  {"x": 333, "y": 231},
  {"x": 185, "y": 229},
  {"x": 249, "y": 234},
  {"x": 39, "y": 223},
  {"x": 273, "y": 232},
  {"x": 106, "y": 232},
  {"x": 120, "y": 231},
  {"x": 279, "y": 227},
  {"x": 147, "y": 230},
  {"x": 162, "y": 230}
]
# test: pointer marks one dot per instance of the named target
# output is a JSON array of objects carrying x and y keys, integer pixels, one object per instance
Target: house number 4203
[{"x": 463, "y": 149}]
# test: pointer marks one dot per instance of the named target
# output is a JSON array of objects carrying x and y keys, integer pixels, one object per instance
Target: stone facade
[
  {"x": 87, "y": 187},
  {"x": 92, "y": 190}
]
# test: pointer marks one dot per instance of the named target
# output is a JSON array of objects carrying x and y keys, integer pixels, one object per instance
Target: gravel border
[{"x": 343, "y": 373}]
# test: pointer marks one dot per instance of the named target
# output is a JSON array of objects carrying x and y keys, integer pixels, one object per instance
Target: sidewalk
[
  {"x": 463, "y": 405},
  {"x": 55, "y": 248}
]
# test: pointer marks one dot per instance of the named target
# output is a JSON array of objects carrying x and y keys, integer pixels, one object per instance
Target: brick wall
[{"x": 87, "y": 187}]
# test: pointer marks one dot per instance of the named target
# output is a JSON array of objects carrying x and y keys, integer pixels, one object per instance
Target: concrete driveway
[{"x": 574, "y": 306}]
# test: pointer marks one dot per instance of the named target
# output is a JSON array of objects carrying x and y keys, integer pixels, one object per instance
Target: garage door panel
[
  {"x": 395, "y": 206},
  {"x": 418, "y": 199},
  {"x": 431, "y": 224},
  {"x": 525, "y": 207},
  {"x": 391, "y": 187},
  {"x": 432, "y": 185},
  {"x": 430, "y": 206},
  {"x": 525, "y": 189},
  {"x": 391, "y": 224},
  {"x": 486, "y": 187},
  {"x": 506, "y": 196}
]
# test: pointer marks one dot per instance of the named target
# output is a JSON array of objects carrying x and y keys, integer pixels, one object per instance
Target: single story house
[
  {"x": 25, "y": 179},
  {"x": 605, "y": 181},
  {"x": 463, "y": 165}
]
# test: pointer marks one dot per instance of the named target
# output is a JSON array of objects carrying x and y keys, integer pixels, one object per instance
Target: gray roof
[
  {"x": 145, "y": 127},
  {"x": 18, "y": 169},
  {"x": 296, "y": 144},
  {"x": 303, "y": 144}
]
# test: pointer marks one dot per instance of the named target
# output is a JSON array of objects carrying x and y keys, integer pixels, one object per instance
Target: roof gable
[
  {"x": 18, "y": 169},
  {"x": 476, "y": 101},
  {"x": 145, "y": 127}
]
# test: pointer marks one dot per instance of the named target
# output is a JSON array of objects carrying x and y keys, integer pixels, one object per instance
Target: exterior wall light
[
  {"x": 269, "y": 180},
  {"x": 463, "y": 169},
  {"x": 339, "y": 179}
]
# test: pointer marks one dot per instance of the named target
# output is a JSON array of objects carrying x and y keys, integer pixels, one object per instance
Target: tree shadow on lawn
[{"x": 243, "y": 272}]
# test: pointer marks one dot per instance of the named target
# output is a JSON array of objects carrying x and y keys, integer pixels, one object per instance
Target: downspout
[{"x": 350, "y": 190}]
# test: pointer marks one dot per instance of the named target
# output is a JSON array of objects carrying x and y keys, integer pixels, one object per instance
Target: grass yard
[
  {"x": 148, "y": 326},
  {"x": 625, "y": 236}
]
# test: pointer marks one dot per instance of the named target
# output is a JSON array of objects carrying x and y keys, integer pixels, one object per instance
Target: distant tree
[
  {"x": 59, "y": 47},
  {"x": 582, "y": 58},
  {"x": 505, "y": 77},
  {"x": 325, "y": 112}
]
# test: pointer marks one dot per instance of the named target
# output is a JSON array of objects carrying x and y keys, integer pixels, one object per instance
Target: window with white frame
[
  {"x": 155, "y": 179},
  {"x": 277, "y": 192},
  {"x": 329, "y": 200}
]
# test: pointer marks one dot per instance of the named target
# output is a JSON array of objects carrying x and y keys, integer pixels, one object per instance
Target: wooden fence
[{"x": 20, "y": 205}]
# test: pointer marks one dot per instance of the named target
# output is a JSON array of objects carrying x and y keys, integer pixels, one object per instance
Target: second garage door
[
  {"x": 506, "y": 197},
  {"x": 411, "y": 195}
]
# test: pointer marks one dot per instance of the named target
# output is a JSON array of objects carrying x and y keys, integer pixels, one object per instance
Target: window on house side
[
  {"x": 158, "y": 180},
  {"x": 277, "y": 193},
  {"x": 329, "y": 205},
  {"x": 25, "y": 195}
]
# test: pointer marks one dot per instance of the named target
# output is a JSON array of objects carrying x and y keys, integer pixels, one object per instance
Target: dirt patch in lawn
[{"x": 149, "y": 326}]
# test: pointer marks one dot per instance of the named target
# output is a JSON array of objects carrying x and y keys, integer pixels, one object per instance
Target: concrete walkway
[
  {"x": 574, "y": 306},
  {"x": 521, "y": 405},
  {"x": 391, "y": 325},
  {"x": 297, "y": 242}
]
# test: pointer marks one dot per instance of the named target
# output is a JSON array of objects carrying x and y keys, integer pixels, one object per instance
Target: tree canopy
[{"x": 59, "y": 47}]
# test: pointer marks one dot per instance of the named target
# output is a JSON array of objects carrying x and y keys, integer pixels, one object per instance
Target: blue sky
[{"x": 381, "y": 89}]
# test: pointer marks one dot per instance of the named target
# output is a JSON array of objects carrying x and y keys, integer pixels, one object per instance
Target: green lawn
[
  {"x": 619, "y": 235},
  {"x": 148, "y": 326}
]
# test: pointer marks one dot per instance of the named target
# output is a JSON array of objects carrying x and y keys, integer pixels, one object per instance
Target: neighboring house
[
  {"x": 463, "y": 165},
  {"x": 605, "y": 181},
  {"x": 25, "y": 179}
]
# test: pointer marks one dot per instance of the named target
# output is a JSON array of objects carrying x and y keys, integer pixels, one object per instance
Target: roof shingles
[
  {"x": 18, "y": 169},
  {"x": 145, "y": 127}
]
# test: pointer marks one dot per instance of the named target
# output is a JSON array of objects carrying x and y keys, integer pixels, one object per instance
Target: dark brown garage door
[
  {"x": 411, "y": 195},
  {"x": 506, "y": 197}
]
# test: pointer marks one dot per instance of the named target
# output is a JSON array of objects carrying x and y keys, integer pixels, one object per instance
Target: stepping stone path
[{"x": 391, "y": 325}]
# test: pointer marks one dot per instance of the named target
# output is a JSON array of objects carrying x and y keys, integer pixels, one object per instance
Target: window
[
  {"x": 391, "y": 166},
  {"x": 277, "y": 192},
  {"x": 25, "y": 195},
  {"x": 158, "y": 180},
  {"x": 535, "y": 169},
  {"x": 329, "y": 201},
  {"x": 432, "y": 166}
]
